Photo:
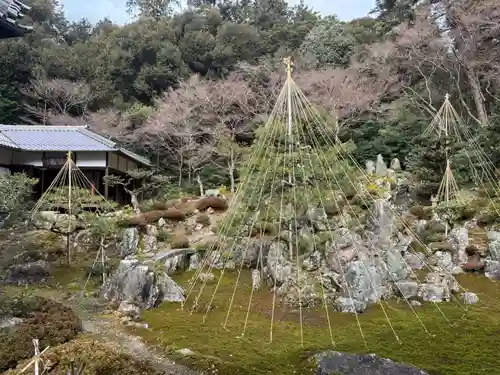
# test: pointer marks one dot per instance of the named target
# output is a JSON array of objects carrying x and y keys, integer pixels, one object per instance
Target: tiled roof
[
  {"x": 59, "y": 138},
  {"x": 10, "y": 12}
]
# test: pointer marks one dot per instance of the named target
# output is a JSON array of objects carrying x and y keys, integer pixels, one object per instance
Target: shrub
[
  {"x": 203, "y": 220},
  {"x": 49, "y": 321},
  {"x": 421, "y": 212},
  {"x": 97, "y": 358},
  {"x": 152, "y": 217},
  {"x": 216, "y": 203},
  {"x": 174, "y": 214}
]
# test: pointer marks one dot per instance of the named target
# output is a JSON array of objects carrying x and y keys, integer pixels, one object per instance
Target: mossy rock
[
  {"x": 49, "y": 321},
  {"x": 435, "y": 237},
  {"x": 441, "y": 246},
  {"x": 435, "y": 226}
]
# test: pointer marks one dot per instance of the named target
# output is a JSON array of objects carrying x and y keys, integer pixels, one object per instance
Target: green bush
[
  {"x": 421, "y": 212},
  {"x": 50, "y": 322}
]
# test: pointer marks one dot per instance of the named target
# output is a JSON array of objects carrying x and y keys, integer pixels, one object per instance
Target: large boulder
[
  {"x": 337, "y": 363},
  {"x": 129, "y": 242},
  {"x": 141, "y": 283},
  {"x": 28, "y": 273}
]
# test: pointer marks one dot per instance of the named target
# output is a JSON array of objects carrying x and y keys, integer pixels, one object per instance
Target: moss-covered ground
[{"x": 458, "y": 342}]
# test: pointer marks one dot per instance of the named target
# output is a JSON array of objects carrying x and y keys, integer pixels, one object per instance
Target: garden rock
[
  {"x": 494, "y": 245},
  {"x": 337, "y": 363},
  {"x": 130, "y": 310},
  {"x": 492, "y": 269},
  {"x": 470, "y": 298},
  {"x": 141, "y": 284},
  {"x": 459, "y": 239},
  {"x": 29, "y": 273},
  {"x": 349, "y": 305},
  {"x": 129, "y": 242}
]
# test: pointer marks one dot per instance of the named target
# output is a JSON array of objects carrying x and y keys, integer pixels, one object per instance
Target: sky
[{"x": 95, "y": 10}]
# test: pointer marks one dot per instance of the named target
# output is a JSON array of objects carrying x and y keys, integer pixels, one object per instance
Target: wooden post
[
  {"x": 42, "y": 182},
  {"x": 37, "y": 354},
  {"x": 106, "y": 185}
]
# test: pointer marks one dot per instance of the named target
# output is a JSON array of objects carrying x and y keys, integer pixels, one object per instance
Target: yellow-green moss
[{"x": 451, "y": 351}]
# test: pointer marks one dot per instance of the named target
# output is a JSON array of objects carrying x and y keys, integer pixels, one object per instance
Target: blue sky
[{"x": 95, "y": 10}]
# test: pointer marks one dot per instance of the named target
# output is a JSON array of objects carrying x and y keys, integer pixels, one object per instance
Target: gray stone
[
  {"x": 337, "y": 363},
  {"x": 28, "y": 273},
  {"x": 438, "y": 287},
  {"x": 142, "y": 285},
  {"x": 278, "y": 266},
  {"x": 349, "y": 305},
  {"x": 370, "y": 167},
  {"x": 470, "y": 298},
  {"x": 367, "y": 281},
  {"x": 129, "y": 242},
  {"x": 150, "y": 239},
  {"x": 415, "y": 261},
  {"x": 395, "y": 164},
  {"x": 194, "y": 262},
  {"x": 8, "y": 322},
  {"x": 443, "y": 260},
  {"x": 492, "y": 269},
  {"x": 459, "y": 239},
  {"x": 129, "y": 309},
  {"x": 212, "y": 193},
  {"x": 380, "y": 166},
  {"x": 256, "y": 279},
  {"x": 494, "y": 245},
  {"x": 406, "y": 289}
]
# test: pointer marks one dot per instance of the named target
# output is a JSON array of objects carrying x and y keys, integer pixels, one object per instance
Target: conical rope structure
[
  {"x": 319, "y": 236},
  {"x": 448, "y": 126},
  {"x": 72, "y": 193}
]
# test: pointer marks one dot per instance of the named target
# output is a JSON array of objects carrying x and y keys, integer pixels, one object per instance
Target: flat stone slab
[{"x": 337, "y": 363}]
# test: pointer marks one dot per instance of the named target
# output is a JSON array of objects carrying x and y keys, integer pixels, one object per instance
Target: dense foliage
[
  {"x": 189, "y": 88},
  {"x": 46, "y": 320}
]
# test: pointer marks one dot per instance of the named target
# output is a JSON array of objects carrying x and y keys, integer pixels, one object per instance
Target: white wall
[
  {"x": 91, "y": 159},
  {"x": 4, "y": 170}
]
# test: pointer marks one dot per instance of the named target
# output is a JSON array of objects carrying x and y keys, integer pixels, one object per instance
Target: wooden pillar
[
  {"x": 106, "y": 173},
  {"x": 106, "y": 185},
  {"x": 42, "y": 182}
]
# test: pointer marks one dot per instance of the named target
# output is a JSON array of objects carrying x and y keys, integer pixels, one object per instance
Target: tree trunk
[
  {"x": 231, "y": 178},
  {"x": 232, "y": 167},
  {"x": 477, "y": 95},
  {"x": 200, "y": 184},
  {"x": 134, "y": 201}
]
